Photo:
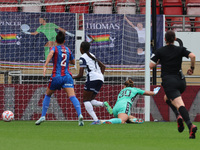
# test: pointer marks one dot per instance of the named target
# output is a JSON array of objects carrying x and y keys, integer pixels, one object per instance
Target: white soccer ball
[{"x": 7, "y": 116}]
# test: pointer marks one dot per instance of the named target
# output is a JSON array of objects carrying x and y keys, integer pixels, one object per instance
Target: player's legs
[
  {"x": 68, "y": 85},
  {"x": 45, "y": 106},
  {"x": 87, "y": 96},
  {"x": 133, "y": 119},
  {"x": 47, "y": 48},
  {"x": 178, "y": 102},
  {"x": 96, "y": 103},
  {"x": 46, "y": 101},
  {"x": 174, "y": 109},
  {"x": 71, "y": 94},
  {"x": 46, "y": 52},
  {"x": 174, "y": 86},
  {"x": 170, "y": 85},
  {"x": 91, "y": 89},
  {"x": 122, "y": 118},
  {"x": 121, "y": 112},
  {"x": 50, "y": 44},
  {"x": 94, "y": 87},
  {"x": 53, "y": 85}
]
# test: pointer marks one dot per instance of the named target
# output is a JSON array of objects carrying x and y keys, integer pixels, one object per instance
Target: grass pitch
[{"x": 58, "y": 135}]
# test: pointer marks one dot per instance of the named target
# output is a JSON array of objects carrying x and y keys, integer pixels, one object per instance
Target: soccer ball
[{"x": 7, "y": 116}]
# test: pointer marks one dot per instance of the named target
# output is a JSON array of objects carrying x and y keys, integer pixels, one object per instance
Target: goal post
[{"x": 147, "y": 59}]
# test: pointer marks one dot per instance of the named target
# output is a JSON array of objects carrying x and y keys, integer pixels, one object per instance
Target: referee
[{"x": 173, "y": 80}]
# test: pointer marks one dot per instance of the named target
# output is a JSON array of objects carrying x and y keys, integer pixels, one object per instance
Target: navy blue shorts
[
  {"x": 94, "y": 86},
  {"x": 56, "y": 83}
]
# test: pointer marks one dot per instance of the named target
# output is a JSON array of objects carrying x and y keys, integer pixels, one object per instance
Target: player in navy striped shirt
[{"x": 61, "y": 76}]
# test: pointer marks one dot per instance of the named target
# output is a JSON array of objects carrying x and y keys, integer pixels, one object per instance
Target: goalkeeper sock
[
  {"x": 89, "y": 108},
  {"x": 184, "y": 113},
  {"x": 46, "y": 52},
  {"x": 96, "y": 103},
  {"x": 76, "y": 104},
  {"x": 172, "y": 107},
  {"x": 115, "y": 121},
  {"x": 45, "y": 105}
]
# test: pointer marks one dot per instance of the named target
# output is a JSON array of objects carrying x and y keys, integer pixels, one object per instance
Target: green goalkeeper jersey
[
  {"x": 49, "y": 31},
  {"x": 129, "y": 94}
]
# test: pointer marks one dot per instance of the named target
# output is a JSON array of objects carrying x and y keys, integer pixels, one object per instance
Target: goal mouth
[{"x": 26, "y": 40}]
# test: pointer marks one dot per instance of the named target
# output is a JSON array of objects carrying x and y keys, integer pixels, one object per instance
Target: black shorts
[
  {"x": 94, "y": 86},
  {"x": 173, "y": 86}
]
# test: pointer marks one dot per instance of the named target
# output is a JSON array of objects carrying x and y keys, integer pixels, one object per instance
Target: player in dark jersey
[
  {"x": 173, "y": 80},
  {"x": 61, "y": 77}
]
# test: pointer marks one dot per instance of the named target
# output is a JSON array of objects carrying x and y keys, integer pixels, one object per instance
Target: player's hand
[
  {"x": 70, "y": 34},
  {"x": 156, "y": 90},
  {"x": 27, "y": 32},
  {"x": 44, "y": 70},
  {"x": 190, "y": 72}
]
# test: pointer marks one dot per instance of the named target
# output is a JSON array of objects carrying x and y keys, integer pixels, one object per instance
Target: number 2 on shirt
[{"x": 64, "y": 58}]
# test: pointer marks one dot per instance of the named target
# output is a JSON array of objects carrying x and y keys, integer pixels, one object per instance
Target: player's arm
[
  {"x": 80, "y": 74},
  {"x": 129, "y": 22},
  {"x": 61, "y": 29},
  {"x": 72, "y": 59},
  {"x": 34, "y": 33},
  {"x": 83, "y": 65},
  {"x": 102, "y": 66},
  {"x": 66, "y": 32},
  {"x": 192, "y": 60},
  {"x": 154, "y": 61},
  {"x": 50, "y": 55},
  {"x": 151, "y": 93},
  {"x": 153, "y": 64}
]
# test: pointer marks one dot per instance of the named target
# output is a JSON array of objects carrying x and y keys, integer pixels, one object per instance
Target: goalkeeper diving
[{"x": 125, "y": 99}]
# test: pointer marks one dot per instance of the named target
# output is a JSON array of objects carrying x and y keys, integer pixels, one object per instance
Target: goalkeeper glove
[
  {"x": 27, "y": 32},
  {"x": 156, "y": 90},
  {"x": 70, "y": 34}
]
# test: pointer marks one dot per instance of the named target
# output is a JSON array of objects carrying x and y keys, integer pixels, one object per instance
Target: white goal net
[{"x": 118, "y": 41}]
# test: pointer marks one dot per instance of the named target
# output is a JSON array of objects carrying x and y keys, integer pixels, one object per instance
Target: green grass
[{"x": 50, "y": 135}]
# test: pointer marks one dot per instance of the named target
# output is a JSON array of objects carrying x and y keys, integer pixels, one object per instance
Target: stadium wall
[{"x": 26, "y": 102}]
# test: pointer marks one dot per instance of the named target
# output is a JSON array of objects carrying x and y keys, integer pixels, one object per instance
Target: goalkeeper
[
  {"x": 125, "y": 99},
  {"x": 49, "y": 31}
]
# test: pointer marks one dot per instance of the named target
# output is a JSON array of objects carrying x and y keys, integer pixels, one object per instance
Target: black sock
[
  {"x": 184, "y": 113},
  {"x": 172, "y": 107}
]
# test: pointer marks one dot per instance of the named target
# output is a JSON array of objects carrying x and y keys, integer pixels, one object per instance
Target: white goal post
[{"x": 147, "y": 59}]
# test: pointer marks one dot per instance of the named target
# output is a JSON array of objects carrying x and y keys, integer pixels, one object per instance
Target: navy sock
[
  {"x": 45, "y": 106},
  {"x": 76, "y": 104},
  {"x": 184, "y": 113}
]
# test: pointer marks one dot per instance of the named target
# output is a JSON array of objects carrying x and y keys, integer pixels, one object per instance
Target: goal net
[{"x": 117, "y": 39}]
